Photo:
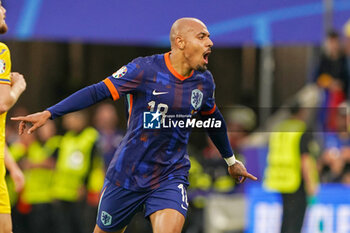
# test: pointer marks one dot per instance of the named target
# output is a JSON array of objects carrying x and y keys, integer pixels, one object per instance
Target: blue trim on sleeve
[{"x": 5, "y": 80}]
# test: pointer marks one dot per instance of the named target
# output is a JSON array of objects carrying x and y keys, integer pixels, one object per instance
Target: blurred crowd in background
[
  {"x": 64, "y": 172},
  {"x": 64, "y": 169}
]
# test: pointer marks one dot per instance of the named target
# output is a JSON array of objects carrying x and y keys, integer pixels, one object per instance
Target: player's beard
[
  {"x": 201, "y": 68},
  {"x": 3, "y": 28}
]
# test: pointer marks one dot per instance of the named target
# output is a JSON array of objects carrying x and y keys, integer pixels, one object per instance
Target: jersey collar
[{"x": 172, "y": 70}]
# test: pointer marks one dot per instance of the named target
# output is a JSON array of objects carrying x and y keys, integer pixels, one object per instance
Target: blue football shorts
[{"x": 118, "y": 205}]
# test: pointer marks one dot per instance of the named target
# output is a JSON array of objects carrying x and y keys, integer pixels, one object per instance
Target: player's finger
[
  {"x": 237, "y": 179},
  {"x": 33, "y": 128},
  {"x": 19, "y": 118},
  {"x": 250, "y": 176},
  {"x": 21, "y": 127},
  {"x": 243, "y": 179}
]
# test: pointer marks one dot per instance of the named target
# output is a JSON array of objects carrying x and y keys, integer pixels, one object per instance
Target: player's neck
[{"x": 179, "y": 64}]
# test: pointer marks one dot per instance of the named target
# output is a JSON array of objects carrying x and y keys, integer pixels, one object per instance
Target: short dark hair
[
  {"x": 332, "y": 34},
  {"x": 294, "y": 108}
]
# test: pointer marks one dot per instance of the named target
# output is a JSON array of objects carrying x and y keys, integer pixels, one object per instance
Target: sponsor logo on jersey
[
  {"x": 120, "y": 73},
  {"x": 2, "y": 66},
  {"x": 159, "y": 93},
  {"x": 106, "y": 218},
  {"x": 196, "y": 98}
]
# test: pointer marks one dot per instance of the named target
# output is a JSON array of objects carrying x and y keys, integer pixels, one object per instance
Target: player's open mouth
[{"x": 206, "y": 56}]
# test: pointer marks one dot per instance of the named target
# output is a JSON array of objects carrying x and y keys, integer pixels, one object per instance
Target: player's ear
[{"x": 180, "y": 42}]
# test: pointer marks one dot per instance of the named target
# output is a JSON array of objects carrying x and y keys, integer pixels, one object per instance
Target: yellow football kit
[{"x": 5, "y": 79}]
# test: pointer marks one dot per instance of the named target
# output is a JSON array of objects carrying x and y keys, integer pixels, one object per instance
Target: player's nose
[{"x": 210, "y": 43}]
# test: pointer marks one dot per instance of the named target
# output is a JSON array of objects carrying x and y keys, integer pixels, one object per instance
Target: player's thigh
[
  {"x": 167, "y": 208},
  {"x": 167, "y": 221},
  {"x": 5, "y": 223},
  {"x": 99, "y": 230}
]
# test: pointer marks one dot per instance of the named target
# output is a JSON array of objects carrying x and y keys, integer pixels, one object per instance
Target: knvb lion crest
[
  {"x": 106, "y": 218},
  {"x": 196, "y": 98}
]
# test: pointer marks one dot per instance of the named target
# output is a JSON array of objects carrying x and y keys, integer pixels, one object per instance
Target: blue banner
[
  {"x": 330, "y": 213},
  {"x": 231, "y": 22}
]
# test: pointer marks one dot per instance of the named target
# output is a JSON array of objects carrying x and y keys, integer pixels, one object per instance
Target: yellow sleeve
[{"x": 5, "y": 64}]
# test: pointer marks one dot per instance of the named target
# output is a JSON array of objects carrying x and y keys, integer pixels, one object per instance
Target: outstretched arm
[
  {"x": 124, "y": 81},
  {"x": 219, "y": 137},
  {"x": 79, "y": 100}
]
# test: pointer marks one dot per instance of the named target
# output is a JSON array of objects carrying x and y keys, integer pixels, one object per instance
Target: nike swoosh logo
[
  {"x": 2, "y": 51},
  {"x": 159, "y": 93}
]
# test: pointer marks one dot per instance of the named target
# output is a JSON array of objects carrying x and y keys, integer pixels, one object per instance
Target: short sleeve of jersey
[
  {"x": 124, "y": 81},
  {"x": 5, "y": 65},
  {"x": 209, "y": 106}
]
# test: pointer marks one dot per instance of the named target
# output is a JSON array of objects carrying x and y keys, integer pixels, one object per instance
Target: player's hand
[
  {"x": 238, "y": 172},
  {"x": 37, "y": 120},
  {"x": 18, "y": 80}
]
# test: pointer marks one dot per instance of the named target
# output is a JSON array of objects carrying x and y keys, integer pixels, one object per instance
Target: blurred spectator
[
  {"x": 106, "y": 121},
  {"x": 37, "y": 161},
  {"x": 345, "y": 179},
  {"x": 240, "y": 121},
  {"x": 198, "y": 191},
  {"x": 291, "y": 169},
  {"x": 347, "y": 48},
  {"x": 73, "y": 166},
  {"x": 335, "y": 159},
  {"x": 20, "y": 209},
  {"x": 94, "y": 185},
  {"x": 331, "y": 71},
  {"x": 332, "y": 76}
]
